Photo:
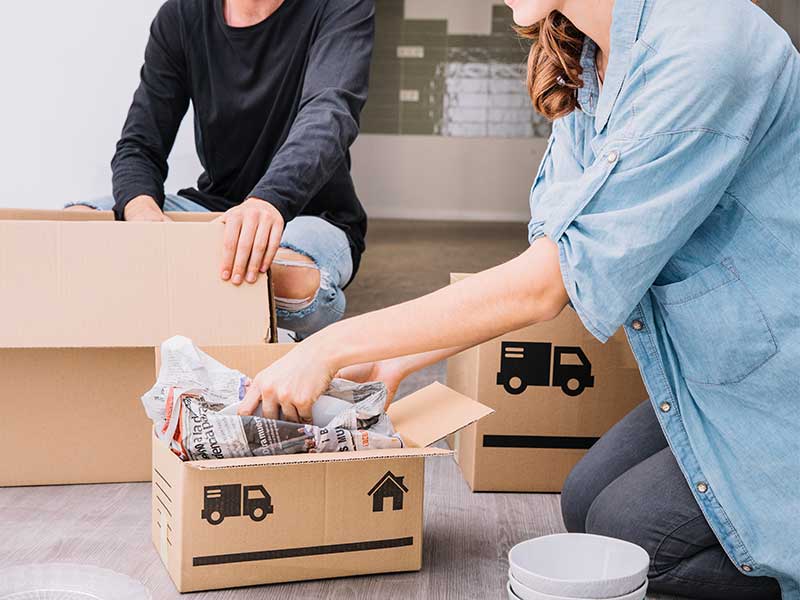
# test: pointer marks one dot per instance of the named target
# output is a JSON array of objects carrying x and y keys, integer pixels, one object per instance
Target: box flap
[
  {"x": 30, "y": 214},
  {"x": 323, "y": 457},
  {"x": 193, "y": 217},
  {"x": 433, "y": 413},
  {"x": 107, "y": 284},
  {"x": 35, "y": 214}
]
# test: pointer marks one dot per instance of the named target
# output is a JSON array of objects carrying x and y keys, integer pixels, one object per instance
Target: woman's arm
[
  {"x": 527, "y": 289},
  {"x": 393, "y": 371}
]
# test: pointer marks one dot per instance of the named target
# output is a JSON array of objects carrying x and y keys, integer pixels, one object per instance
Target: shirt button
[
  {"x": 612, "y": 157},
  {"x": 637, "y": 325},
  {"x": 702, "y": 487},
  {"x": 747, "y": 568},
  {"x": 665, "y": 407}
]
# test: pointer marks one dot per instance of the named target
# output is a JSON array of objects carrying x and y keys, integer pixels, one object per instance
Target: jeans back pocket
[{"x": 717, "y": 328}]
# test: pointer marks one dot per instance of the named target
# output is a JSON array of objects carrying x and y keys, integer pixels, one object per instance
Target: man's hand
[
  {"x": 253, "y": 232},
  {"x": 144, "y": 208}
]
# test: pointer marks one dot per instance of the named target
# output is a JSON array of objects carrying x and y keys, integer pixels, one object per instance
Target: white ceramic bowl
[
  {"x": 525, "y": 593},
  {"x": 578, "y": 565},
  {"x": 511, "y": 594}
]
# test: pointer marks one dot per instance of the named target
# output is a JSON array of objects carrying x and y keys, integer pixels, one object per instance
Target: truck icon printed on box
[
  {"x": 528, "y": 363},
  {"x": 221, "y": 501}
]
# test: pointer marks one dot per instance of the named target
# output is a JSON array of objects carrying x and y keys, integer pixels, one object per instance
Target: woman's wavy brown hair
[{"x": 554, "y": 64}]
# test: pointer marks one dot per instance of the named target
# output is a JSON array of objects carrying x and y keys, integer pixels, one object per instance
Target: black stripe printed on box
[
  {"x": 222, "y": 559},
  {"x": 538, "y": 441}
]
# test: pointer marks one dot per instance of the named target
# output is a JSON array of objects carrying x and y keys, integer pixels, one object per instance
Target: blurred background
[
  {"x": 448, "y": 130},
  {"x": 449, "y": 135}
]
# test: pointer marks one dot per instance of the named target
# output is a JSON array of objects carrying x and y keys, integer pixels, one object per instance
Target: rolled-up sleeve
[
  {"x": 630, "y": 212},
  {"x": 559, "y": 165}
]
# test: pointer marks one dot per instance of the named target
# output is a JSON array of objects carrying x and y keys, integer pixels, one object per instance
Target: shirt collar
[{"x": 625, "y": 22}]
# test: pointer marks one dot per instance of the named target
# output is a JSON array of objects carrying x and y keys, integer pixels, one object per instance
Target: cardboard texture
[
  {"x": 555, "y": 390},
  {"x": 239, "y": 522},
  {"x": 83, "y": 302}
]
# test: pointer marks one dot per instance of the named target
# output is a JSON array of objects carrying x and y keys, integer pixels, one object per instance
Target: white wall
[
  {"x": 431, "y": 177},
  {"x": 463, "y": 16},
  {"x": 69, "y": 71}
]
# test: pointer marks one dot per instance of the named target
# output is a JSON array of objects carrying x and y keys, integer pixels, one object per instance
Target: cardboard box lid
[
  {"x": 431, "y": 414},
  {"x": 323, "y": 457},
  {"x": 66, "y": 283},
  {"x": 421, "y": 419},
  {"x": 33, "y": 214}
]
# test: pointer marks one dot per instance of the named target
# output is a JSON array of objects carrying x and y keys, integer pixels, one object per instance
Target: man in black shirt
[{"x": 276, "y": 87}]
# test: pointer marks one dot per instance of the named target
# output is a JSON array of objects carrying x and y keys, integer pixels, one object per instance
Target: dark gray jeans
[{"x": 629, "y": 486}]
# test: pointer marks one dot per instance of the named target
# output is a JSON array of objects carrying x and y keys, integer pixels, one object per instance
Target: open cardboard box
[
  {"x": 83, "y": 303},
  {"x": 249, "y": 521}
]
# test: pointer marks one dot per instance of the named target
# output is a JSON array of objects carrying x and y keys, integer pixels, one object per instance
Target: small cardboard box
[
  {"x": 83, "y": 303},
  {"x": 555, "y": 390},
  {"x": 250, "y": 521}
]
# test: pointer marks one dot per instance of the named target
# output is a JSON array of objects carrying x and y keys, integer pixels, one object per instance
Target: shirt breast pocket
[{"x": 719, "y": 331}]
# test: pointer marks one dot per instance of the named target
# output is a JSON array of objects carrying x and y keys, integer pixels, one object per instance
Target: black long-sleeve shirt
[{"x": 276, "y": 108}]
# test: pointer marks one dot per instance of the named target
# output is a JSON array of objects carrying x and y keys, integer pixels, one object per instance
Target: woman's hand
[
  {"x": 291, "y": 385},
  {"x": 526, "y": 290},
  {"x": 390, "y": 372}
]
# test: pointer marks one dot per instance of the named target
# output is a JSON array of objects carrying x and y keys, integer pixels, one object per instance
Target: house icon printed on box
[{"x": 389, "y": 486}]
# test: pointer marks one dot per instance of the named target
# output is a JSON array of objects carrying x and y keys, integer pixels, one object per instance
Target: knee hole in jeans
[{"x": 297, "y": 279}]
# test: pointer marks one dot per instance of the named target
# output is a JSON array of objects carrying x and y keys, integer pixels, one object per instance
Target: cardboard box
[
  {"x": 249, "y": 521},
  {"x": 555, "y": 390},
  {"x": 83, "y": 302}
]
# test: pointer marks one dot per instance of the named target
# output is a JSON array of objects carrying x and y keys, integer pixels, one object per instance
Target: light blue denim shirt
[{"x": 674, "y": 198}]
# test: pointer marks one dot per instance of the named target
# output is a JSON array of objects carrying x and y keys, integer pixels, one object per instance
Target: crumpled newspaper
[{"x": 194, "y": 407}]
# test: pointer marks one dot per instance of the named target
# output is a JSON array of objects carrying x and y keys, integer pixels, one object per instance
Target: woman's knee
[
  {"x": 617, "y": 512},
  {"x": 576, "y": 497},
  {"x": 633, "y": 439},
  {"x": 651, "y": 505}
]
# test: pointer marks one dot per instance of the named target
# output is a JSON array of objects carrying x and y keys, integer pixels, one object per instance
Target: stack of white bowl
[{"x": 572, "y": 566}]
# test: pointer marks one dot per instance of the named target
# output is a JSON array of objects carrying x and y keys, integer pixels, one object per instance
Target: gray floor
[
  {"x": 406, "y": 259},
  {"x": 467, "y": 535}
]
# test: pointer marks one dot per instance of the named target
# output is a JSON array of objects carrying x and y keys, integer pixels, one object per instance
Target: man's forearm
[
  {"x": 133, "y": 178},
  {"x": 316, "y": 147},
  {"x": 139, "y": 166},
  {"x": 334, "y": 92},
  {"x": 523, "y": 291}
]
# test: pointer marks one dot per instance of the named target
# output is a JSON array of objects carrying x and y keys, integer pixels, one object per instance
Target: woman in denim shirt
[{"x": 668, "y": 203}]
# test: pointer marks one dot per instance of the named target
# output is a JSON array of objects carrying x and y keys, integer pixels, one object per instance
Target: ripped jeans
[{"x": 325, "y": 244}]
